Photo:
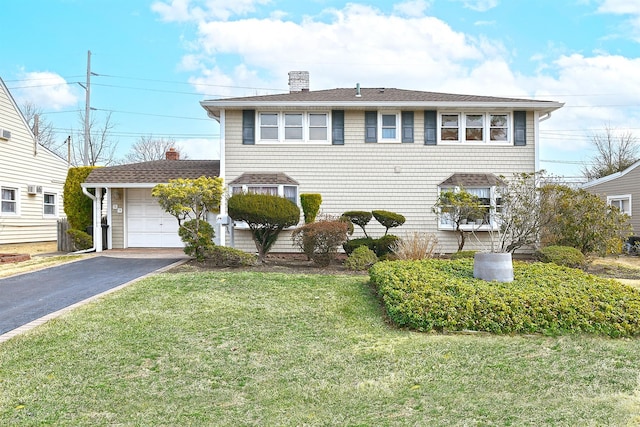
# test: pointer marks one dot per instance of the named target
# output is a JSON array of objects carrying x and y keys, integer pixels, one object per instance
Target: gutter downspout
[{"x": 95, "y": 201}]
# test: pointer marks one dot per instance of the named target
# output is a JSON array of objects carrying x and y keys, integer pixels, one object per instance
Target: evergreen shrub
[
  {"x": 310, "y": 203},
  {"x": 561, "y": 255},
  {"x": 223, "y": 256},
  {"x": 360, "y": 259},
  {"x": 544, "y": 298}
]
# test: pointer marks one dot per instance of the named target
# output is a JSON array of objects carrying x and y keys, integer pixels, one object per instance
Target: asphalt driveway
[{"x": 30, "y": 296}]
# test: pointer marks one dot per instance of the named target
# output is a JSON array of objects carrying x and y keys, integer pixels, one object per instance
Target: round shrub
[
  {"x": 561, "y": 255},
  {"x": 544, "y": 298},
  {"x": 350, "y": 245},
  {"x": 360, "y": 259},
  {"x": 385, "y": 244},
  {"x": 388, "y": 219},
  {"x": 197, "y": 236},
  {"x": 320, "y": 240},
  {"x": 81, "y": 240}
]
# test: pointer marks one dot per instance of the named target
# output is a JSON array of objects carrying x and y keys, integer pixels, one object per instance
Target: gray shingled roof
[
  {"x": 263, "y": 178},
  {"x": 158, "y": 171},
  {"x": 371, "y": 94},
  {"x": 471, "y": 180}
]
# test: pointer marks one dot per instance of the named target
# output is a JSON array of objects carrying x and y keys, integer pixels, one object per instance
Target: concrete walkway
[{"x": 30, "y": 299}]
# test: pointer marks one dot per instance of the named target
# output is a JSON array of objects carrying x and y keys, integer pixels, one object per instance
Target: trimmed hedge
[
  {"x": 561, "y": 255},
  {"x": 442, "y": 295},
  {"x": 310, "y": 203},
  {"x": 224, "y": 256}
]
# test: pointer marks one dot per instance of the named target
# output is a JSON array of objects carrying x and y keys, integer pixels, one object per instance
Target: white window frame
[
  {"x": 491, "y": 225},
  {"x": 45, "y": 204},
  {"x": 486, "y": 127},
  {"x": 16, "y": 201},
  {"x": 611, "y": 200},
  {"x": 282, "y": 126},
  {"x": 382, "y": 127}
]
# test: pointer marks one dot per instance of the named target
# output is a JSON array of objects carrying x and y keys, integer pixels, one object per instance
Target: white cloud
[
  {"x": 46, "y": 90},
  {"x": 199, "y": 149},
  {"x": 620, "y": 7},
  {"x": 413, "y": 8},
  {"x": 199, "y": 10},
  {"x": 480, "y": 5}
]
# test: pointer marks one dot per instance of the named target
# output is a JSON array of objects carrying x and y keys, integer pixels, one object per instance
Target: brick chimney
[
  {"x": 298, "y": 81},
  {"x": 172, "y": 154}
]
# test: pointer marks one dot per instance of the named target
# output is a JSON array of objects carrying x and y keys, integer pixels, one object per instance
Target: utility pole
[{"x": 87, "y": 110}]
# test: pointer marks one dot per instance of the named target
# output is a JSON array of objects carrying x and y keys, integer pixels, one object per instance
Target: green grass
[{"x": 267, "y": 349}]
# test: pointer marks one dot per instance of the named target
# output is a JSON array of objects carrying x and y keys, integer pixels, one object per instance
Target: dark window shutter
[
  {"x": 370, "y": 126},
  {"x": 520, "y": 128},
  {"x": 249, "y": 126},
  {"x": 337, "y": 126},
  {"x": 407, "y": 126},
  {"x": 430, "y": 127}
]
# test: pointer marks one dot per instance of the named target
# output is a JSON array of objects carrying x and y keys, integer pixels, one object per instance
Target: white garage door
[{"x": 148, "y": 225}]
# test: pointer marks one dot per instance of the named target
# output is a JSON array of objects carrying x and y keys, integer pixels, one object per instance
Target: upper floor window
[
  {"x": 474, "y": 127},
  {"x": 49, "y": 206},
  {"x": 293, "y": 126},
  {"x": 389, "y": 126},
  {"x": 623, "y": 203},
  {"x": 9, "y": 200}
]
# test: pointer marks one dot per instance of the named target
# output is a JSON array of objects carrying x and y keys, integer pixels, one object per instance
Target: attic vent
[{"x": 5, "y": 134}]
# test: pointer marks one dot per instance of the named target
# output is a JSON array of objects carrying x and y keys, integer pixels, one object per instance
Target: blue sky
[{"x": 157, "y": 59}]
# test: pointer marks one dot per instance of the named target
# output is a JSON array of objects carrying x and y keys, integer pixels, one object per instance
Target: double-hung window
[
  {"x": 474, "y": 127},
  {"x": 8, "y": 201},
  {"x": 623, "y": 203},
  {"x": 293, "y": 126},
  {"x": 49, "y": 204}
]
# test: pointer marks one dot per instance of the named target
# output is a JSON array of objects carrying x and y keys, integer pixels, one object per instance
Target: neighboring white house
[
  {"x": 374, "y": 148},
  {"x": 621, "y": 189},
  {"x": 31, "y": 179}
]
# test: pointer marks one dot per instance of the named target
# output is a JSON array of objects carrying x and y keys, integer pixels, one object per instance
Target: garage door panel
[{"x": 148, "y": 224}]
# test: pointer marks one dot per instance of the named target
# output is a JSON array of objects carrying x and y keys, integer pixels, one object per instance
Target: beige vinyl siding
[
  {"x": 20, "y": 166},
  {"x": 399, "y": 177},
  {"x": 623, "y": 185},
  {"x": 117, "y": 219}
]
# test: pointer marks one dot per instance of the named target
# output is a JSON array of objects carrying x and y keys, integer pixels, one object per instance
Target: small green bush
[
  {"x": 81, "y": 240},
  {"x": 310, "y": 203},
  {"x": 544, "y": 298},
  {"x": 320, "y": 240},
  {"x": 561, "y": 255},
  {"x": 197, "y": 236},
  {"x": 463, "y": 254},
  {"x": 350, "y": 245},
  {"x": 223, "y": 256},
  {"x": 360, "y": 259},
  {"x": 385, "y": 244},
  {"x": 388, "y": 219}
]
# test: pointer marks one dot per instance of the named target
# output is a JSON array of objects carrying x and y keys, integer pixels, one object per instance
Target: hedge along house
[
  {"x": 133, "y": 218},
  {"x": 31, "y": 179},
  {"x": 374, "y": 148}
]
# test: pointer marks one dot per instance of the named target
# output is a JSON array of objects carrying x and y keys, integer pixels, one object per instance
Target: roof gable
[
  {"x": 611, "y": 177},
  {"x": 154, "y": 172}
]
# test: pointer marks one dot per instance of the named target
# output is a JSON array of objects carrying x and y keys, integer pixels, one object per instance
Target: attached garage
[
  {"x": 148, "y": 225},
  {"x": 134, "y": 218}
]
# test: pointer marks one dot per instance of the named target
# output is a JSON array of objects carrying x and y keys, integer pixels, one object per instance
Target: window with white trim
[
  {"x": 49, "y": 204},
  {"x": 293, "y": 126},
  {"x": 8, "y": 201},
  {"x": 389, "y": 126},
  {"x": 483, "y": 220},
  {"x": 474, "y": 127},
  {"x": 623, "y": 203}
]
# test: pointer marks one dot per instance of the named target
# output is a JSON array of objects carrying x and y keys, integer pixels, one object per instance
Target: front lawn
[{"x": 268, "y": 349}]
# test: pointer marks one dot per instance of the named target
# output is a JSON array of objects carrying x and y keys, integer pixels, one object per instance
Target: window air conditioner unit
[
  {"x": 5, "y": 135},
  {"x": 34, "y": 189}
]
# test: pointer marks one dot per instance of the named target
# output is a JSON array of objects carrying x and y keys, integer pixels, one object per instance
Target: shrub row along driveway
[{"x": 27, "y": 297}]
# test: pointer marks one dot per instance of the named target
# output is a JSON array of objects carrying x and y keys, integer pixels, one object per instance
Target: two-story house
[
  {"x": 374, "y": 148},
  {"x": 31, "y": 179}
]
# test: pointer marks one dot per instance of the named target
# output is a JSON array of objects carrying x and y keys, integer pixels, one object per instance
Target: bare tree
[
  {"x": 148, "y": 148},
  {"x": 101, "y": 145},
  {"x": 616, "y": 151},
  {"x": 43, "y": 129}
]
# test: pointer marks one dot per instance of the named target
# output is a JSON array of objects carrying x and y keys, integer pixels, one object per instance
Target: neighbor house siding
[
  {"x": 20, "y": 166},
  {"x": 626, "y": 184},
  {"x": 398, "y": 177}
]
